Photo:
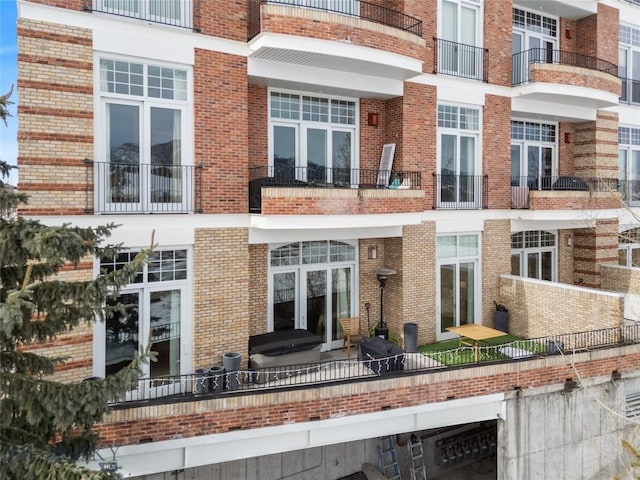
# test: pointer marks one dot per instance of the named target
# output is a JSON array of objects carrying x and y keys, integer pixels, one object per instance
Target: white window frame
[
  {"x": 477, "y": 167},
  {"x": 630, "y": 185},
  {"x": 631, "y": 51},
  {"x": 302, "y": 126},
  {"x": 145, "y": 288},
  {"x": 524, "y": 252},
  {"x": 145, "y": 104},
  {"x": 476, "y": 5},
  {"x": 144, "y": 11},
  {"x": 300, "y": 269},
  {"x": 524, "y": 144},
  {"x": 477, "y": 269}
]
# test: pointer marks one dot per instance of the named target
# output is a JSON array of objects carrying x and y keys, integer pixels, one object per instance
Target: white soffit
[
  {"x": 318, "y": 80},
  {"x": 332, "y": 55},
  {"x": 316, "y": 222},
  {"x": 259, "y": 236},
  {"x": 565, "y": 95},
  {"x": 156, "y": 457},
  {"x": 571, "y": 9},
  {"x": 548, "y": 111}
]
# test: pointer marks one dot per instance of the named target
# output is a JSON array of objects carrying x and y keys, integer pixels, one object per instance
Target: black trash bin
[
  {"x": 231, "y": 364},
  {"x": 216, "y": 378},
  {"x": 501, "y": 317},
  {"x": 410, "y": 337},
  {"x": 202, "y": 382}
]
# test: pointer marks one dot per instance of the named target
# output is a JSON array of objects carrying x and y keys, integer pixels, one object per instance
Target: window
[
  {"x": 312, "y": 286},
  {"x": 155, "y": 307},
  {"x": 629, "y": 248},
  {"x": 169, "y": 12},
  {"x": 458, "y": 276},
  {"x": 143, "y": 144},
  {"x": 459, "y": 179},
  {"x": 460, "y": 35},
  {"x": 533, "y": 154},
  {"x": 629, "y": 164},
  {"x": 313, "y": 138},
  {"x": 629, "y": 63},
  {"x": 533, "y": 255},
  {"x": 534, "y": 40}
]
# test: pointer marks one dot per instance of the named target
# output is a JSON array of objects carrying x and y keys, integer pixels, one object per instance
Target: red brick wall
[
  {"x": 222, "y": 18},
  {"x": 597, "y": 35},
  {"x": 258, "y": 126},
  {"x": 372, "y": 138},
  {"x": 338, "y": 32},
  {"x": 221, "y": 130},
  {"x": 569, "y": 75},
  {"x": 496, "y": 151},
  {"x": 497, "y": 38},
  {"x": 427, "y": 12},
  {"x": 572, "y": 200},
  {"x": 566, "y": 164},
  {"x": 272, "y": 410},
  {"x": 300, "y": 205}
]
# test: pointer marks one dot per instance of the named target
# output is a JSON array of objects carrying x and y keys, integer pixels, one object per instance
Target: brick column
[
  {"x": 596, "y": 147},
  {"x": 496, "y": 261},
  {"x": 220, "y": 294},
  {"x": 592, "y": 247}
]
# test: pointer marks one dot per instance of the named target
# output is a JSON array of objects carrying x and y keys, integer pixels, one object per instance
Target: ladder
[
  {"x": 388, "y": 460},
  {"x": 416, "y": 467}
]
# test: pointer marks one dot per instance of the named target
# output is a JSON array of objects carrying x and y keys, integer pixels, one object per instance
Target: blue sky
[{"x": 8, "y": 77}]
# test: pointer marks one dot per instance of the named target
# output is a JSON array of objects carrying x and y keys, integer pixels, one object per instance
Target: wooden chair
[{"x": 351, "y": 331}]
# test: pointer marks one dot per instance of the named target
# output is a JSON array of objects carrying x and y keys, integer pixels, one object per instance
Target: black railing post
[
  {"x": 200, "y": 168},
  {"x": 87, "y": 164}
]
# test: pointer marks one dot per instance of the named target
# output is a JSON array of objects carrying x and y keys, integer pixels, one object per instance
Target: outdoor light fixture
[{"x": 383, "y": 274}]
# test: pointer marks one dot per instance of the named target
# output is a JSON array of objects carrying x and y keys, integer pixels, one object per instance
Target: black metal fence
[
  {"x": 357, "y": 8},
  {"x": 460, "y": 192},
  {"x": 215, "y": 381},
  {"x": 460, "y": 60},
  {"x": 630, "y": 90},
  {"x": 143, "y": 188},
  {"x": 176, "y": 13},
  {"x": 521, "y": 61}
]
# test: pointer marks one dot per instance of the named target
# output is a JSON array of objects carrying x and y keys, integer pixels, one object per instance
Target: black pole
[
  {"x": 368, "y": 306},
  {"x": 381, "y": 329}
]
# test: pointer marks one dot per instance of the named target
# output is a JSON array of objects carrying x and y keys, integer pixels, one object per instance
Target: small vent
[{"x": 633, "y": 405}]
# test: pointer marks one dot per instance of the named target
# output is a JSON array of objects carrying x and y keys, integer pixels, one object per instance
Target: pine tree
[{"x": 47, "y": 426}]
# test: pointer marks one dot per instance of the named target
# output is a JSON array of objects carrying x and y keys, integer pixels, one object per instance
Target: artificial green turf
[{"x": 450, "y": 352}]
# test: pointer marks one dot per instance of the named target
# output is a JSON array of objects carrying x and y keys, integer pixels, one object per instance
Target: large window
[
  {"x": 312, "y": 286},
  {"x": 459, "y": 179},
  {"x": 313, "y": 138},
  {"x": 460, "y": 34},
  {"x": 629, "y": 63},
  {"x": 143, "y": 147},
  {"x": 533, "y": 255},
  {"x": 154, "y": 309},
  {"x": 533, "y": 154},
  {"x": 629, "y": 248},
  {"x": 458, "y": 258},
  {"x": 534, "y": 40},
  {"x": 170, "y": 12},
  {"x": 629, "y": 164}
]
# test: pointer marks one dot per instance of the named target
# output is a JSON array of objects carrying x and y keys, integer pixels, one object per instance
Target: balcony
[
  {"x": 175, "y": 13},
  {"x": 564, "y": 193},
  {"x": 567, "y": 85},
  {"x": 460, "y": 192},
  {"x": 354, "y": 8},
  {"x": 630, "y": 91},
  {"x": 459, "y": 60},
  {"x": 143, "y": 188},
  {"x": 502, "y": 350},
  {"x": 322, "y": 190}
]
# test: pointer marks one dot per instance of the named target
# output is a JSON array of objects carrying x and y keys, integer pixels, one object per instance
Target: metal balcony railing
[
  {"x": 521, "y": 62},
  {"x": 215, "y": 382},
  {"x": 630, "y": 90},
  {"x": 356, "y": 8},
  {"x": 460, "y": 60},
  {"x": 176, "y": 13},
  {"x": 460, "y": 192},
  {"x": 143, "y": 188}
]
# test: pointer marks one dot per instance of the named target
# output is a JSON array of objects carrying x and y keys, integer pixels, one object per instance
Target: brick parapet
[
  {"x": 186, "y": 419},
  {"x": 572, "y": 200},
  {"x": 619, "y": 278},
  {"x": 576, "y": 76}
]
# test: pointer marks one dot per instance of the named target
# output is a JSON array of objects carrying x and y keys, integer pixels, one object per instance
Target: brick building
[{"x": 283, "y": 151}]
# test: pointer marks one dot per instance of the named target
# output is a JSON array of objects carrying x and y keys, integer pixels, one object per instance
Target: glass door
[
  {"x": 456, "y": 302},
  {"x": 341, "y": 303},
  {"x": 284, "y": 300},
  {"x": 316, "y": 155},
  {"x": 285, "y": 153},
  {"x": 315, "y": 302},
  {"x": 167, "y": 182},
  {"x": 342, "y": 156},
  {"x": 458, "y": 184}
]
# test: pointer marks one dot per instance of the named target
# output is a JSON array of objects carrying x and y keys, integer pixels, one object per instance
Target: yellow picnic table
[{"x": 475, "y": 333}]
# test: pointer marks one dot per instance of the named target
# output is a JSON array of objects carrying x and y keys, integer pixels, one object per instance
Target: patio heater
[{"x": 383, "y": 274}]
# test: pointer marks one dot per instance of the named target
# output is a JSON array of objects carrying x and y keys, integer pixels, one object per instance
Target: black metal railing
[
  {"x": 356, "y": 8},
  {"x": 630, "y": 90},
  {"x": 460, "y": 192},
  {"x": 176, "y": 13},
  {"x": 521, "y": 62},
  {"x": 324, "y": 177},
  {"x": 460, "y": 60},
  {"x": 143, "y": 188},
  {"x": 210, "y": 382}
]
